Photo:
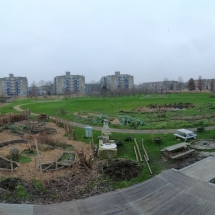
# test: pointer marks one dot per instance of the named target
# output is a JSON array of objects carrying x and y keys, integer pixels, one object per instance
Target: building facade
[
  {"x": 206, "y": 84},
  {"x": 159, "y": 86},
  {"x": 67, "y": 84},
  {"x": 13, "y": 86},
  {"x": 117, "y": 81},
  {"x": 93, "y": 88}
]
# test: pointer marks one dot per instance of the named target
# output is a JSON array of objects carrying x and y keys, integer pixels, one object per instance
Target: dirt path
[{"x": 129, "y": 131}]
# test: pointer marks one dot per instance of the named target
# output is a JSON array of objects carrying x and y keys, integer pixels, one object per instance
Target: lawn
[
  {"x": 201, "y": 112},
  {"x": 157, "y": 164}
]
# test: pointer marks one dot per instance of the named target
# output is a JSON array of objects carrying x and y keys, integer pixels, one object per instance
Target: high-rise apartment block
[
  {"x": 13, "y": 86},
  {"x": 69, "y": 84},
  {"x": 117, "y": 81}
]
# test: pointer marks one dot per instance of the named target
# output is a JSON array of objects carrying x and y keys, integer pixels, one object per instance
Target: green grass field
[
  {"x": 153, "y": 149},
  {"x": 112, "y": 107}
]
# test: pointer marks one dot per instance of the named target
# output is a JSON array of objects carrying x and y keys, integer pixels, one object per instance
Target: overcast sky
[{"x": 151, "y": 40}]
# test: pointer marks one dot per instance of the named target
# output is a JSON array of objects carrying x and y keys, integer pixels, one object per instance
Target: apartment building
[
  {"x": 206, "y": 84},
  {"x": 68, "y": 83},
  {"x": 93, "y": 88},
  {"x": 161, "y": 85},
  {"x": 117, "y": 81},
  {"x": 13, "y": 86}
]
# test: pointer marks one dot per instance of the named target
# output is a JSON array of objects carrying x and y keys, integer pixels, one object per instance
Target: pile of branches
[
  {"x": 80, "y": 183},
  {"x": 83, "y": 161},
  {"x": 121, "y": 169},
  {"x": 131, "y": 121},
  {"x": 9, "y": 118}
]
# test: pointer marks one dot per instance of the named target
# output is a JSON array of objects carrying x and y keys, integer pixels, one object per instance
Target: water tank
[{"x": 88, "y": 131}]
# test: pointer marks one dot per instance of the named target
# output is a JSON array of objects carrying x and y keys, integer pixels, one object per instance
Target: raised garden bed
[
  {"x": 66, "y": 159},
  {"x": 6, "y": 143},
  {"x": 177, "y": 151},
  {"x": 5, "y": 165},
  {"x": 37, "y": 130}
]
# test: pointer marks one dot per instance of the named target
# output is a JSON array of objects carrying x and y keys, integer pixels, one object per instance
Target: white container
[{"x": 88, "y": 131}]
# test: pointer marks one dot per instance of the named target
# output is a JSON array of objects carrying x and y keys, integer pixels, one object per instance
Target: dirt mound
[
  {"x": 9, "y": 183},
  {"x": 121, "y": 169}
]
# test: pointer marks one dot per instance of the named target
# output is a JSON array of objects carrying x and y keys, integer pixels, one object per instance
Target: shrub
[
  {"x": 62, "y": 111},
  {"x": 14, "y": 153}
]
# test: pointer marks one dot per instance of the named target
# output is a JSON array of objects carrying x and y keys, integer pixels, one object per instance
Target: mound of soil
[
  {"x": 121, "y": 169},
  {"x": 9, "y": 183},
  {"x": 181, "y": 163}
]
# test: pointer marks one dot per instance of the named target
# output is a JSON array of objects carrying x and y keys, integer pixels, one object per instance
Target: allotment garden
[{"x": 52, "y": 159}]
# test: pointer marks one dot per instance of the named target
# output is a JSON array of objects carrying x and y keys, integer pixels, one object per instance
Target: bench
[
  {"x": 185, "y": 134},
  {"x": 185, "y": 137}
]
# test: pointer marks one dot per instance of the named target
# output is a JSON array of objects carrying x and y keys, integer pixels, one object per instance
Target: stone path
[
  {"x": 203, "y": 170},
  {"x": 128, "y": 131}
]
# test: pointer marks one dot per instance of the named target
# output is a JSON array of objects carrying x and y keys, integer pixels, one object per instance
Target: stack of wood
[
  {"x": 68, "y": 128},
  {"x": 43, "y": 116},
  {"x": 137, "y": 153},
  {"x": 83, "y": 161},
  {"x": 59, "y": 122},
  {"x": 9, "y": 118}
]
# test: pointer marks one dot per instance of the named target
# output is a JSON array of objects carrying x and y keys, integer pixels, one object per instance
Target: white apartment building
[
  {"x": 13, "y": 86},
  {"x": 69, "y": 84},
  {"x": 117, "y": 81}
]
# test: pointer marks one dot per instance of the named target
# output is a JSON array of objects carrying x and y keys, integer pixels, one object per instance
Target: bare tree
[
  {"x": 212, "y": 85},
  {"x": 66, "y": 92},
  {"x": 166, "y": 84},
  {"x": 200, "y": 83},
  {"x": 171, "y": 86},
  {"x": 33, "y": 92},
  {"x": 145, "y": 89},
  {"x": 49, "y": 87},
  {"x": 191, "y": 84},
  {"x": 180, "y": 83},
  {"x": 156, "y": 87}
]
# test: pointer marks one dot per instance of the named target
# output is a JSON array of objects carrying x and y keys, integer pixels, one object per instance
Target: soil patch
[
  {"x": 181, "y": 163},
  {"x": 115, "y": 121},
  {"x": 121, "y": 169},
  {"x": 9, "y": 183}
]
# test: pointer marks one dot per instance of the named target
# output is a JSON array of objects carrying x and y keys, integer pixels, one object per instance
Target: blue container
[{"x": 88, "y": 131}]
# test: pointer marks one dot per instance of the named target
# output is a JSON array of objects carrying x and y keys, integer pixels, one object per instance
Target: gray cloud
[{"x": 149, "y": 39}]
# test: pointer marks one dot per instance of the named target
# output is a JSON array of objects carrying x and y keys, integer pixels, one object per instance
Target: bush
[{"x": 14, "y": 153}]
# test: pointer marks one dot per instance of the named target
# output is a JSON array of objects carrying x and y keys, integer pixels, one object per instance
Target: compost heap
[{"x": 121, "y": 169}]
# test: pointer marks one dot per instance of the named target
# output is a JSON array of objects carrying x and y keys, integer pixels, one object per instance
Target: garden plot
[
  {"x": 97, "y": 118},
  {"x": 28, "y": 170},
  {"x": 31, "y": 128}
]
